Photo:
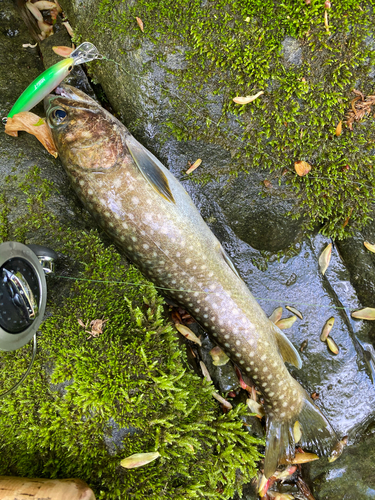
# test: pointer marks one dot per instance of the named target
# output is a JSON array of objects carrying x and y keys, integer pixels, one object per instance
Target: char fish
[{"x": 149, "y": 215}]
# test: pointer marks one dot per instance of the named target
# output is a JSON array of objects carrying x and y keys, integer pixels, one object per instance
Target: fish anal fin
[
  {"x": 287, "y": 351},
  {"x": 148, "y": 166}
]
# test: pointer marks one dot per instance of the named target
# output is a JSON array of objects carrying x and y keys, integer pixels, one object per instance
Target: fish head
[{"x": 86, "y": 135}]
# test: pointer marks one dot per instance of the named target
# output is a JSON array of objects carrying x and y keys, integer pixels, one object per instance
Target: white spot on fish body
[
  {"x": 135, "y": 200},
  {"x": 90, "y": 191}
]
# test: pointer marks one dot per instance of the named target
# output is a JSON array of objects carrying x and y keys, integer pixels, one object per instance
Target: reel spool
[{"x": 23, "y": 295}]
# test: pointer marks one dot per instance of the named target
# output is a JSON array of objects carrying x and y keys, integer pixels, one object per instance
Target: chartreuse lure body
[{"x": 52, "y": 77}]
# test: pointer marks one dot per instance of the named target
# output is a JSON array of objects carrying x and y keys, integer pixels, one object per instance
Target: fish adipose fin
[
  {"x": 317, "y": 436},
  {"x": 228, "y": 261},
  {"x": 287, "y": 351},
  {"x": 150, "y": 168}
]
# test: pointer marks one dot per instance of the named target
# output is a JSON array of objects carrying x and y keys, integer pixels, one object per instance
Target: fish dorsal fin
[
  {"x": 287, "y": 350},
  {"x": 148, "y": 165},
  {"x": 228, "y": 261}
]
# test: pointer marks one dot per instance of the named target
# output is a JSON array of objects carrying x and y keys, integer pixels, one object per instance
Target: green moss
[
  {"x": 234, "y": 47},
  {"x": 133, "y": 377}
]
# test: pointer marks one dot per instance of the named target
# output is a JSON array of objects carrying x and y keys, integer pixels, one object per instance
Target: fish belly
[{"x": 176, "y": 250}]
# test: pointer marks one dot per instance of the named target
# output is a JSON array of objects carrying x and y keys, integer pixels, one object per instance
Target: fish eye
[{"x": 58, "y": 115}]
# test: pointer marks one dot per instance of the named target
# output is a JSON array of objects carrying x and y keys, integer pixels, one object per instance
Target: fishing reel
[{"x": 23, "y": 294}]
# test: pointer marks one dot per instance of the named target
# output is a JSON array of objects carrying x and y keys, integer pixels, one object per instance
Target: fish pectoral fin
[
  {"x": 228, "y": 261},
  {"x": 150, "y": 168},
  {"x": 287, "y": 350}
]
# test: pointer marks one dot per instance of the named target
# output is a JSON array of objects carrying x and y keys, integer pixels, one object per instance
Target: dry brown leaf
[
  {"x": 219, "y": 358},
  {"x": 187, "y": 333},
  {"x": 69, "y": 29},
  {"x": 247, "y": 99},
  {"x": 267, "y": 183},
  {"x": 366, "y": 313},
  {"x": 194, "y": 166},
  {"x": 62, "y": 51},
  {"x": 325, "y": 258},
  {"x": 302, "y": 168},
  {"x": 44, "y": 5},
  {"x": 332, "y": 345},
  {"x": 276, "y": 315},
  {"x": 285, "y": 323},
  {"x": 139, "y": 459},
  {"x": 302, "y": 458},
  {"x": 34, "y": 11},
  {"x": 327, "y": 329},
  {"x": 369, "y": 246},
  {"x": 140, "y": 24},
  {"x": 26, "y": 121},
  {"x": 339, "y": 128}
]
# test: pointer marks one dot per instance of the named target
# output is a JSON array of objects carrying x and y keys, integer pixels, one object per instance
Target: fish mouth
[{"x": 65, "y": 91}]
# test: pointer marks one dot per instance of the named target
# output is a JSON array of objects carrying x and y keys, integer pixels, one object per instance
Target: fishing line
[
  {"x": 229, "y": 132},
  {"x": 278, "y": 301}
]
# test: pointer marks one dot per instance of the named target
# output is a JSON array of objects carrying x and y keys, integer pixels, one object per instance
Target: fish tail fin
[{"x": 317, "y": 436}]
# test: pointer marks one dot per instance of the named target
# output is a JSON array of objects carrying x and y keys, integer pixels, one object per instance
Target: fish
[{"x": 153, "y": 221}]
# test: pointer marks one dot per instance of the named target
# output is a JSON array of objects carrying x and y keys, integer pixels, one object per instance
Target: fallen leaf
[
  {"x": 332, "y": 345},
  {"x": 194, "y": 166},
  {"x": 62, "y": 51},
  {"x": 285, "y": 323},
  {"x": 44, "y": 5},
  {"x": 26, "y": 121},
  {"x": 339, "y": 128},
  {"x": 327, "y": 328},
  {"x": 325, "y": 258},
  {"x": 302, "y": 168},
  {"x": 275, "y": 495},
  {"x": 207, "y": 376},
  {"x": 219, "y": 358},
  {"x": 366, "y": 313},
  {"x": 276, "y": 315},
  {"x": 294, "y": 311},
  {"x": 69, "y": 29},
  {"x": 34, "y": 11},
  {"x": 302, "y": 458},
  {"x": 255, "y": 407},
  {"x": 247, "y": 99},
  {"x": 369, "y": 246},
  {"x": 338, "y": 449},
  {"x": 140, "y": 23},
  {"x": 297, "y": 432},
  {"x": 45, "y": 28},
  {"x": 267, "y": 183},
  {"x": 139, "y": 459},
  {"x": 222, "y": 400},
  {"x": 187, "y": 333}
]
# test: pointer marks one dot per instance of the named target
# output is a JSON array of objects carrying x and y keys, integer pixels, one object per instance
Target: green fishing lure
[{"x": 52, "y": 77}]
